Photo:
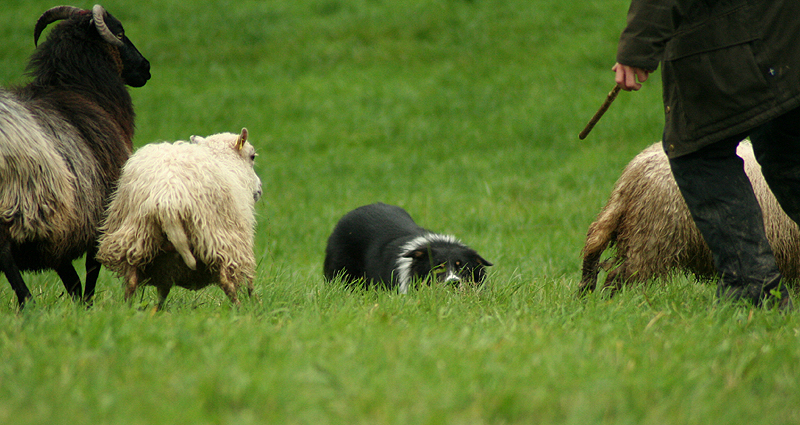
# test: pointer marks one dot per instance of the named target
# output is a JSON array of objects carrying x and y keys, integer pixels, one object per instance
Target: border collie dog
[{"x": 382, "y": 245}]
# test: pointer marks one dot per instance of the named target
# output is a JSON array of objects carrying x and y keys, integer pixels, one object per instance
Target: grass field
[{"x": 465, "y": 113}]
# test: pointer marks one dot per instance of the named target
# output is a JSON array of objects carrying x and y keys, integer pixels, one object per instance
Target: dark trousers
[{"x": 721, "y": 200}]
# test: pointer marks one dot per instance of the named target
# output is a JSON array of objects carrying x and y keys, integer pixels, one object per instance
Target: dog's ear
[
  {"x": 482, "y": 261},
  {"x": 417, "y": 254}
]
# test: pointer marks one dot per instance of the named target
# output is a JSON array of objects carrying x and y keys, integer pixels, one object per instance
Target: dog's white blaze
[
  {"x": 403, "y": 267},
  {"x": 452, "y": 277}
]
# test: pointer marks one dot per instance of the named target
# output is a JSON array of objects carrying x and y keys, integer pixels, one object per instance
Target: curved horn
[
  {"x": 99, "y": 17},
  {"x": 51, "y": 15},
  {"x": 241, "y": 139}
]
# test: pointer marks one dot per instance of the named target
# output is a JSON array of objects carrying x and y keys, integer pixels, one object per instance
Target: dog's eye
[{"x": 458, "y": 264}]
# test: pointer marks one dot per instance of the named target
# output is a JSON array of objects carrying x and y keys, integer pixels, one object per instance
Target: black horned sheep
[
  {"x": 183, "y": 215},
  {"x": 63, "y": 140},
  {"x": 652, "y": 233}
]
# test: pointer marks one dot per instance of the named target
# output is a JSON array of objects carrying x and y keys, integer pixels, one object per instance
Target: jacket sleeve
[{"x": 650, "y": 25}]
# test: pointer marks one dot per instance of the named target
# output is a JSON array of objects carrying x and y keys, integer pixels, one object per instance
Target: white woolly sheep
[
  {"x": 183, "y": 214},
  {"x": 648, "y": 224},
  {"x": 63, "y": 139}
]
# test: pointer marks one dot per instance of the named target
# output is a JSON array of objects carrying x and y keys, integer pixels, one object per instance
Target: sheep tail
[{"x": 173, "y": 228}]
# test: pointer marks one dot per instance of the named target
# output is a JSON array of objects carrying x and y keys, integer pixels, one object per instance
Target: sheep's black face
[{"x": 135, "y": 68}]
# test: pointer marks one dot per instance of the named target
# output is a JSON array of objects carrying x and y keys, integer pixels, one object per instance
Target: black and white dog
[{"x": 383, "y": 245}]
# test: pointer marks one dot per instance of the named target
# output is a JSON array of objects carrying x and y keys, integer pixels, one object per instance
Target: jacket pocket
[
  {"x": 723, "y": 29},
  {"x": 714, "y": 74}
]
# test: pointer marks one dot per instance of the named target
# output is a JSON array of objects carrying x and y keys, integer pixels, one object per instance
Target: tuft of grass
[{"x": 466, "y": 113}]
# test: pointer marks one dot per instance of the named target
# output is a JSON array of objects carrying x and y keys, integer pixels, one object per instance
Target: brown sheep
[{"x": 647, "y": 223}]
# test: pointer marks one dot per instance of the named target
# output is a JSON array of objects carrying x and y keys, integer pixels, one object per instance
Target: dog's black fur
[{"x": 382, "y": 245}]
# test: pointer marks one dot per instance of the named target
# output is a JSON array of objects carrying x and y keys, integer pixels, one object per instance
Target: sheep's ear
[{"x": 242, "y": 138}]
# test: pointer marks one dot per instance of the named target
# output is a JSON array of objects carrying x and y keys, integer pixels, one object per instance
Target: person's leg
[
  {"x": 721, "y": 200},
  {"x": 776, "y": 146}
]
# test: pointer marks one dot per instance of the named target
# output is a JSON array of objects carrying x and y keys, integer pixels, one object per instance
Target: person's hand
[{"x": 627, "y": 76}]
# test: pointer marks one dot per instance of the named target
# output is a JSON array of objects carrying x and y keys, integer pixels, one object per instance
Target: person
[{"x": 730, "y": 70}]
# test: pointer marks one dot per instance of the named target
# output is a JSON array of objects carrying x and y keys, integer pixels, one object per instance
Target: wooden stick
[{"x": 597, "y": 115}]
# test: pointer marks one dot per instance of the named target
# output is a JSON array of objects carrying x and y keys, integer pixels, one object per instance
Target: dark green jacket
[{"x": 727, "y": 65}]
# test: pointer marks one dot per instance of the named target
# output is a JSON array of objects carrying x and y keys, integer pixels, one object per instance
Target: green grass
[{"x": 466, "y": 113}]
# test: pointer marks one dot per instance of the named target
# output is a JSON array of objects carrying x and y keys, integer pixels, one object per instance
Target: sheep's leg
[
  {"x": 9, "y": 267},
  {"x": 92, "y": 273},
  {"x": 591, "y": 262},
  {"x": 70, "y": 278},
  {"x": 163, "y": 291},
  {"x": 226, "y": 283},
  {"x": 615, "y": 279},
  {"x": 251, "y": 290},
  {"x": 133, "y": 283}
]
